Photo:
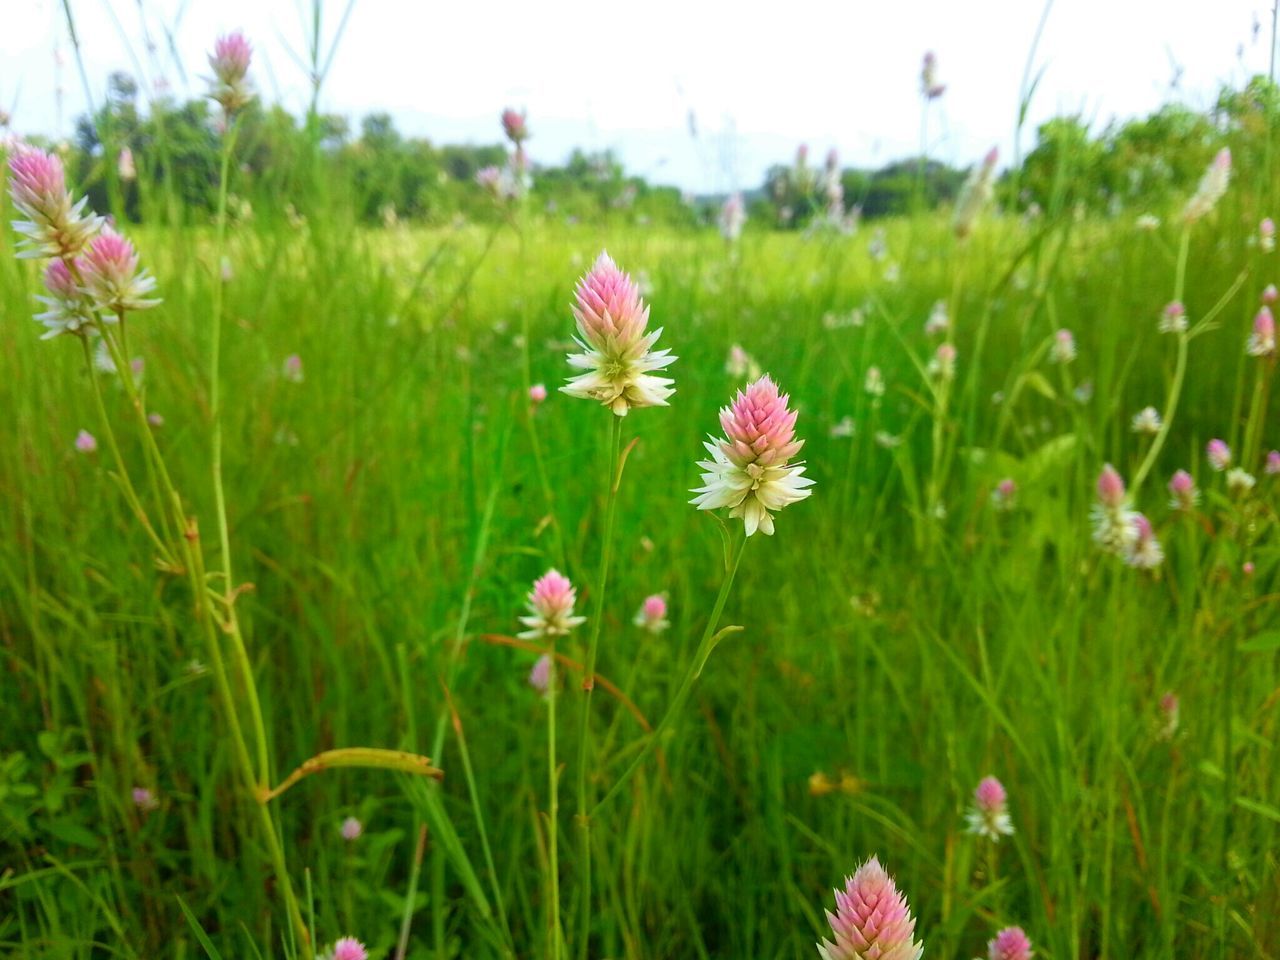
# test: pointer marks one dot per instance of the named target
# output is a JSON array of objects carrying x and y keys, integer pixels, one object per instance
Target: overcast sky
[{"x": 756, "y": 78}]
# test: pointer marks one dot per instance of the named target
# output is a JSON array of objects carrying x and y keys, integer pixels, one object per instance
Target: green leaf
[
  {"x": 1258, "y": 807},
  {"x": 1270, "y": 640},
  {"x": 201, "y": 936},
  {"x": 70, "y": 832}
]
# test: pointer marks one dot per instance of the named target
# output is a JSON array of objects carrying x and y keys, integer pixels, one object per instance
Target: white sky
[{"x": 759, "y": 77}]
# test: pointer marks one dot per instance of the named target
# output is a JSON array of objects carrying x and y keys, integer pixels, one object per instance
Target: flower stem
[
  {"x": 705, "y": 646},
  {"x": 614, "y": 480}
]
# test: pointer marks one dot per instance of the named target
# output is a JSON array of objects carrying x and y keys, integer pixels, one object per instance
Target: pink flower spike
[
  {"x": 1145, "y": 552},
  {"x": 1262, "y": 341},
  {"x": 515, "y": 126},
  {"x": 1011, "y": 943},
  {"x": 144, "y": 799},
  {"x": 1270, "y": 295},
  {"x": 1273, "y": 463},
  {"x": 1168, "y": 716},
  {"x": 652, "y": 615},
  {"x": 111, "y": 275},
  {"x": 551, "y": 607},
  {"x": 230, "y": 63},
  {"x": 540, "y": 675},
  {"x": 1219, "y": 455},
  {"x": 1247, "y": 569},
  {"x": 1182, "y": 491},
  {"x": 351, "y": 829},
  {"x": 292, "y": 369},
  {"x": 86, "y": 442},
  {"x": 1005, "y": 494},
  {"x": 872, "y": 920},
  {"x": 617, "y": 349},
  {"x": 989, "y": 815},
  {"x": 1110, "y": 487},
  {"x": 51, "y": 225},
  {"x": 349, "y": 948},
  {"x": 538, "y": 393}
]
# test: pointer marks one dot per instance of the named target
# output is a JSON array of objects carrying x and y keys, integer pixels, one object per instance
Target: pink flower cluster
[{"x": 872, "y": 920}]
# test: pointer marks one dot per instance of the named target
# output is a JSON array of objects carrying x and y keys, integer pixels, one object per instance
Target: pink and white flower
[
  {"x": 1218, "y": 454},
  {"x": 51, "y": 225},
  {"x": 1145, "y": 552},
  {"x": 1211, "y": 189},
  {"x": 1183, "y": 494},
  {"x": 652, "y": 615},
  {"x": 1113, "y": 522},
  {"x": 872, "y": 920},
  {"x": 111, "y": 275},
  {"x": 230, "y": 63},
  {"x": 989, "y": 815},
  {"x": 551, "y": 607},
  {"x": 1011, "y": 943},
  {"x": 1064, "y": 347},
  {"x": 86, "y": 442},
  {"x": 617, "y": 349},
  {"x": 1262, "y": 340},
  {"x": 750, "y": 470},
  {"x": 733, "y": 216},
  {"x": 348, "y": 948}
]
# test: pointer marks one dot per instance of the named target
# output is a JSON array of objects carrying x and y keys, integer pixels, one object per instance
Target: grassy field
[{"x": 907, "y": 631}]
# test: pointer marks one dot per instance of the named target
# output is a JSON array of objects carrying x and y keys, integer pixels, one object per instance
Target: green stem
[
  {"x": 554, "y": 934},
  {"x": 705, "y": 646},
  {"x": 614, "y": 479},
  {"x": 1179, "y": 373}
]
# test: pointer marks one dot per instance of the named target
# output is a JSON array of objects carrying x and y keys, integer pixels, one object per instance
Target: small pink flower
[
  {"x": 733, "y": 216},
  {"x": 68, "y": 309},
  {"x": 155, "y": 419},
  {"x": 1064, "y": 347},
  {"x": 349, "y": 948},
  {"x": 750, "y": 470},
  {"x": 1005, "y": 494},
  {"x": 111, "y": 275},
  {"x": 125, "y": 165},
  {"x": 292, "y": 369},
  {"x": 515, "y": 125},
  {"x": 929, "y": 85},
  {"x": 52, "y": 225},
  {"x": 617, "y": 349},
  {"x": 872, "y": 920},
  {"x": 551, "y": 607},
  {"x": 1173, "y": 318},
  {"x": 1267, "y": 234},
  {"x": 351, "y": 829},
  {"x": 1145, "y": 552},
  {"x": 1219, "y": 455},
  {"x": 1182, "y": 491},
  {"x": 1270, "y": 295},
  {"x": 652, "y": 615},
  {"x": 1262, "y": 341},
  {"x": 1273, "y": 463},
  {"x": 989, "y": 815},
  {"x": 1110, "y": 487},
  {"x": 144, "y": 799},
  {"x": 230, "y": 63},
  {"x": 538, "y": 393},
  {"x": 943, "y": 364},
  {"x": 540, "y": 675},
  {"x": 86, "y": 442},
  {"x": 1247, "y": 569},
  {"x": 1011, "y": 943}
]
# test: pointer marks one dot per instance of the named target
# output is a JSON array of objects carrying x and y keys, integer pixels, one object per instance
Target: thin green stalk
[
  {"x": 406, "y": 920},
  {"x": 555, "y": 935},
  {"x": 708, "y": 642},
  {"x": 616, "y": 464}
]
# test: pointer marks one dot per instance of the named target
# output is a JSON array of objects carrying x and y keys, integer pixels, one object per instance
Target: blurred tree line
[{"x": 161, "y": 162}]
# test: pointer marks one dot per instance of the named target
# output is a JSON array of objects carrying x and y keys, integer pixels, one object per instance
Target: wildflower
[
  {"x": 1212, "y": 186},
  {"x": 989, "y": 815},
  {"x": 872, "y": 920},
  {"x": 230, "y": 63},
  {"x": 1273, "y": 463},
  {"x": 1262, "y": 341},
  {"x": 86, "y": 442},
  {"x": 515, "y": 125},
  {"x": 1064, "y": 347},
  {"x": 155, "y": 419},
  {"x": 291, "y": 370},
  {"x": 843, "y": 428},
  {"x": 887, "y": 440},
  {"x": 144, "y": 800},
  {"x": 69, "y": 311},
  {"x": 351, "y": 829},
  {"x": 874, "y": 382},
  {"x": 226, "y": 272},
  {"x": 749, "y": 470},
  {"x": 1182, "y": 491},
  {"x": 111, "y": 275},
  {"x": 125, "y": 165},
  {"x": 498, "y": 182},
  {"x": 1267, "y": 235},
  {"x": 1146, "y": 420},
  {"x": 1145, "y": 552},
  {"x": 538, "y": 393},
  {"x": 1168, "y": 716},
  {"x": 652, "y": 615},
  {"x": 1147, "y": 222},
  {"x": 975, "y": 194},
  {"x": 617, "y": 352},
  {"x": 1113, "y": 523},
  {"x": 741, "y": 365},
  {"x": 52, "y": 226},
  {"x": 929, "y": 85},
  {"x": 1270, "y": 295},
  {"x": 733, "y": 215},
  {"x": 938, "y": 322},
  {"x": 943, "y": 364},
  {"x": 1247, "y": 568},
  {"x": 1011, "y": 943},
  {"x": 349, "y": 948},
  {"x": 1240, "y": 481},
  {"x": 540, "y": 675},
  {"x": 1173, "y": 318},
  {"x": 1005, "y": 494},
  {"x": 551, "y": 607},
  {"x": 1219, "y": 454}
]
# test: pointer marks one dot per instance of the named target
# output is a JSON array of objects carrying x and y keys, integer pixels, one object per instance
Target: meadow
[{"x": 938, "y": 610}]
